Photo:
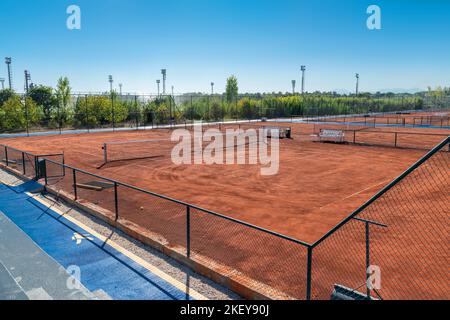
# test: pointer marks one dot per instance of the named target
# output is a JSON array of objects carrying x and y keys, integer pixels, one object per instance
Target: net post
[
  {"x": 308, "y": 273},
  {"x": 188, "y": 231},
  {"x": 395, "y": 141},
  {"x": 105, "y": 153},
  {"x": 74, "y": 174},
  {"x": 116, "y": 201},
  {"x": 23, "y": 163}
]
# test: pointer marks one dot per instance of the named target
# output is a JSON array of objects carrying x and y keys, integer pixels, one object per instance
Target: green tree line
[{"x": 44, "y": 107}]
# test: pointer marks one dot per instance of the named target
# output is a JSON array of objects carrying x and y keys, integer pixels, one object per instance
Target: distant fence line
[{"x": 24, "y": 113}]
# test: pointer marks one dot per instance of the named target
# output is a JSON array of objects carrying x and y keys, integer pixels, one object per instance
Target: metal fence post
[
  {"x": 45, "y": 171},
  {"x": 87, "y": 111},
  {"x": 26, "y": 116},
  {"x": 395, "y": 141},
  {"x": 308, "y": 273},
  {"x": 74, "y": 173},
  {"x": 23, "y": 163},
  {"x": 367, "y": 257},
  {"x": 136, "y": 111},
  {"x": 113, "y": 112},
  {"x": 192, "y": 110},
  {"x": 36, "y": 169},
  {"x": 6, "y": 156},
  {"x": 59, "y": 118},
  {"x": 116, "y": 201},
  {"x": 188, "y": 231}
]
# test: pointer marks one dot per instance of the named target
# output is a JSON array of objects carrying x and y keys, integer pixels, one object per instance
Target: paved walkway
[{"x": 43, "y": 252}]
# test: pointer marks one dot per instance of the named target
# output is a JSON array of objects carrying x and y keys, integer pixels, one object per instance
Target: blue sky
[{"x": 262, "y": 42}]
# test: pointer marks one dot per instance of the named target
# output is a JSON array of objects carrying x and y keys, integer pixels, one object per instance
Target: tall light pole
[
  {"x": 212, "y": 88},
  {"x": 172, "y": 91},
  {"x": 357, "y": 83},
  {"x": 303, "y": 69},
  {"x": 110, "y": 79},
  {"x": 293, "y": 87},
  {"x": 164, "y": 74},
  {"x": 157, "y": 83},
  {"x": 2, "y": 80},
  {"x": 27, "y": 81},
  {"x": 8, "y": 64},
  {"x": 120, "y": 88}
]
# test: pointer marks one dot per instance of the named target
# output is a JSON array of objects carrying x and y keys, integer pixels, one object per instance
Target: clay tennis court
[
  {"x": 317, "y": 186},
  {"x": 436, "y": 119}
]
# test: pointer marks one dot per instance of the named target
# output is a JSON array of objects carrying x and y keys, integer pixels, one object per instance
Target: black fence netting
[
  {"x": 265, "y": 262},
  {"x": 164, "y": 220},
  {"x": 399, "y": 242},
  {"x": 371, "y": 136}
]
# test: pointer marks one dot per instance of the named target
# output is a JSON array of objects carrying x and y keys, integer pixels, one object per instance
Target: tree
[
  {"x": 248, "y": 108},
  {"x": 45, "y": 99},
  {"x": 63, "y": 98},
  {"x": 14, "y": 115},
  {"x": 232, "y": 88},
  {"x": 97, "y": 110},
  {"x": 5, "y": 95},
  {"x": 157, "y": 110},
  {"x": 216, "y": 112},
  {"x": 63, "y": 92}
]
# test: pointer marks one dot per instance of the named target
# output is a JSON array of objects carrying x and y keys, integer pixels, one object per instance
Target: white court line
[
  {"x": 357, "y": 193},
  {"x": 368, "y": 188}
]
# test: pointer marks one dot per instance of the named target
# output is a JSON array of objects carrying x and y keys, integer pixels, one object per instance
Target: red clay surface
[
  {"x": 317, "y": 186},
  {"x": 438, "y": 118}
]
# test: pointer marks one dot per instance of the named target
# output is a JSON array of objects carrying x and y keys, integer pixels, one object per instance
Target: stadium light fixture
[
  {"x": 293, "y": 87},
  {"x": 157, "y": 83}
]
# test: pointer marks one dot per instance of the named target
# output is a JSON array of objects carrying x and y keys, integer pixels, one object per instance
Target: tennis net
[{"x": 162, "y": 148}]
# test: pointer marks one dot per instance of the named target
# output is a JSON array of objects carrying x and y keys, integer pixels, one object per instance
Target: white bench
[{"x": 329, "y": 135}]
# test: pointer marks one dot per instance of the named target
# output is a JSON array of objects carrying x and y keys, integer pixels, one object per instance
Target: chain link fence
[
  {"x": 401, "y": 234},
  {"x": 392, "y": 247}
]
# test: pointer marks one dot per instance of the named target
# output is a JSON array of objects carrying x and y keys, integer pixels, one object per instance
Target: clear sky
[{"x": 262, "y": 42}]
